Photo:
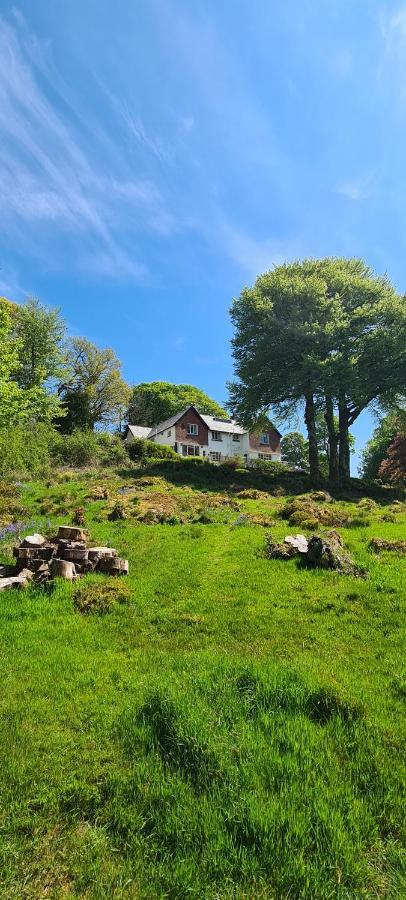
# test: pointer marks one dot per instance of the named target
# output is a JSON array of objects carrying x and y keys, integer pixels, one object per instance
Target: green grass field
[{"x": 234, "y": 729}]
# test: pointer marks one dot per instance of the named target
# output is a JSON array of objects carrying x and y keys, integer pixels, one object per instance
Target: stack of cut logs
[{"x": 65, "y": 556}]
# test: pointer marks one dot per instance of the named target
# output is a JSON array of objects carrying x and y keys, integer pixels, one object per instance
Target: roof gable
[{"x": 162, "y": 426}]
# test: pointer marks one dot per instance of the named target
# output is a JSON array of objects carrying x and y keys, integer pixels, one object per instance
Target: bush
[
  {"x": 25, "y": 452},
  {"x": 86, "y": 448},
  {"x": 273, "y": 467},
  {"x": 99, "y": 599},
  {"x": 143, "y": 451}
]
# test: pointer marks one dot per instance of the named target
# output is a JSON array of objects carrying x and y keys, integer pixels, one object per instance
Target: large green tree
[
  {"x": 40, "y": 333},
  {"x": 95, "y": 392},
  {"x": 156, "y": 401},
  {"x": 328, "y": 334},
  {"x": 18, "y": 405}
]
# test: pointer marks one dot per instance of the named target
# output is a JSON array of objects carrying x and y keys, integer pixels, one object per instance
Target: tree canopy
[
  {"x": 19, "y": 405},
  {"x": 156, "y": 401},
  {"x": 327, "y": 333},
  {"x": 95, "y": 392}
]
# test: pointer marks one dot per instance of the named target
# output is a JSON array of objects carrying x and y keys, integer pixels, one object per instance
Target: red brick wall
[
  {"x": 183, "y": 437},
  {"x": 274, "y": 442}
]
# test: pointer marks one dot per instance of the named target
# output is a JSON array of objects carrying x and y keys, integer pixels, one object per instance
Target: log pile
[{"x": 67, "y": 555}]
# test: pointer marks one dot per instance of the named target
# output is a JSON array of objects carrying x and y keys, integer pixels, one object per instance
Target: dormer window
[
  {"x": 191, "y": 428},
  {"x": 264, "y": 439}
]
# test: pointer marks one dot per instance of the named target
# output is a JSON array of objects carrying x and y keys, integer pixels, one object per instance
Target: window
[
  {"x": 264, "y": 439},
  {"x": 215, "y": 456},
  {"x": 236, "y": 437},
  {"x": 190, "y": 450},
  {"x": 216, "y": 436},
  {"x": 191, "y": 428},
  {"x": 168, "y": 433},
  {"x": 264, "y": 455}
]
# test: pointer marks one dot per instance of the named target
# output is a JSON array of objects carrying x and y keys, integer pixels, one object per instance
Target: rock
[
  {"x": 62, "y": 568},
  {"x": 327, "y": 552},
  {"x": 280, "y": 551},
  {"x": 299, "y": 542},
  {"x": 71, "y": 533},
  {"x": 33, "y": 541}
]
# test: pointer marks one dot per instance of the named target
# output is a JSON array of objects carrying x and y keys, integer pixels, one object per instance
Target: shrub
[
  {"x": 118, "y": 511},
  {"x": 144, "y": 451},
  {"x": 273, "y": 467},
  {"x": 85, "y": 448},
  {"x": 25, "y": 452},
  {"x": 99, "y": 599}
]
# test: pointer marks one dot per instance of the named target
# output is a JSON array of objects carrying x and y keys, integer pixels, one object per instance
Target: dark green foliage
[
  {"x": 141, "y": 450},
  {"x": 157, "y": 401},
  {"x": 26, "y": 452},
  {"x": 376, "y": 448},
  {"x": 86, "y": 448},
  {"x": 272, "y": 468},
  {"x": 295, "y": 451}
]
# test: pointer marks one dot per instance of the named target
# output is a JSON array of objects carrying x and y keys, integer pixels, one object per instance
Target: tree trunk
[
  {"x": 332, "y": 442},
  {"x": 310, "y": 420},
  {"x": 344, "y": 446}
]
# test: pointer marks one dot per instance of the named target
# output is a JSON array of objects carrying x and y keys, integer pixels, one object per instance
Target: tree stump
[{"x": 62, "y": 568}]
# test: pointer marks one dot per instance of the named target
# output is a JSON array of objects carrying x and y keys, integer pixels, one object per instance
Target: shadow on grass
[{"x": 202, "y": 475}]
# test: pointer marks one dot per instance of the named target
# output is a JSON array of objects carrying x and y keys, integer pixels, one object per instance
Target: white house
[{"x": 191, "y": 433}]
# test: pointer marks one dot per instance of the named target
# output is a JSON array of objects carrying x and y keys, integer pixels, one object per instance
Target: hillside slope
[{"x": 219, "y": 724}]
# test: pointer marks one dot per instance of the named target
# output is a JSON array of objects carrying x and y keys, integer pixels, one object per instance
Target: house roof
[
  {"x": 139, "y": 431},
  {"x": 215, "y": 423},
  {"x": 169, "y": 422}
]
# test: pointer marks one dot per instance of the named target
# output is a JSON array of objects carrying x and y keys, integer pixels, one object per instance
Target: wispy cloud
[
  {"x": 52, "y": 174},
  {"x": 357, "y": 188}
]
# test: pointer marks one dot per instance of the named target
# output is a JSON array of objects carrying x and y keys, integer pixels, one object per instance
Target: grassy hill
[{"x": 219, "y": 724}]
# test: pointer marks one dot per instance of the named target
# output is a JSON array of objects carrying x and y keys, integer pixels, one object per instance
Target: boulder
[
  {"x": 299, "y": 542},
  {"x": 327, "y": 552}
]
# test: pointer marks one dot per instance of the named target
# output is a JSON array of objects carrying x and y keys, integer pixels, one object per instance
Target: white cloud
[{"x": 51, "y": 173}]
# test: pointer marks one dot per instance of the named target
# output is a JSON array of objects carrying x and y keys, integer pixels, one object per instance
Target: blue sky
[{"x": 156, "y": 155}]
